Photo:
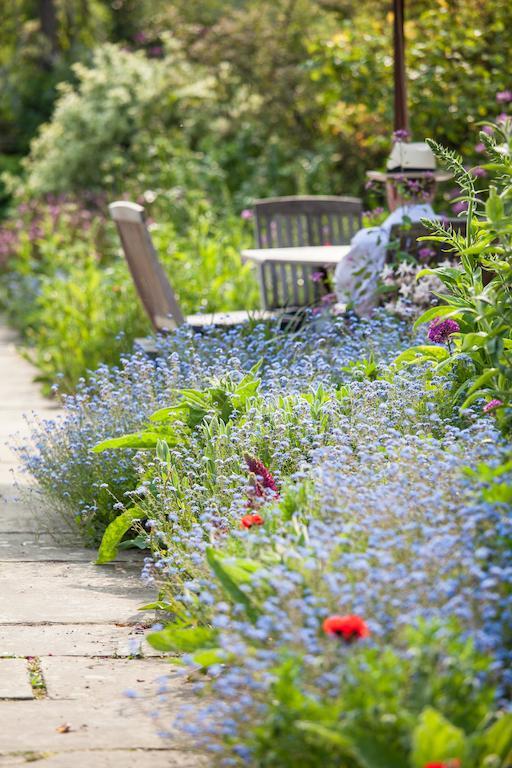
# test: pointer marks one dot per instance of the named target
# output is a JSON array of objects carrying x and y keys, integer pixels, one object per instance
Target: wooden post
[{"x": 401, "y": 121}]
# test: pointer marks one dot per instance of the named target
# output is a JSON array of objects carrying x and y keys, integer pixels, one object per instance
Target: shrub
[{"x": 69, "y": 292}]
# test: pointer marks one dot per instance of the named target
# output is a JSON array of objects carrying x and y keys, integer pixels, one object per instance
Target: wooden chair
[
  {"x": 404, "y": 240},
  {"x": 284, "y": 222},
  {"x": 153, "y": 287}
]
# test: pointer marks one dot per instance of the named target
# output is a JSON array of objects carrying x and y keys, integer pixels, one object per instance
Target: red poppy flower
[
  {"x": 348, "y": 628},
  {"x": 455, "y": 763},
  {"x": 249, "y": 520}
]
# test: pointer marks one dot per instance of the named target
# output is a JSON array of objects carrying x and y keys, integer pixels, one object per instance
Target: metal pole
[{"x": 401, "y": 120}]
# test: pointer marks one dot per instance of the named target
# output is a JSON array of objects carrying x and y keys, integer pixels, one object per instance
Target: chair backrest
[
  {"x": 404, "y": 239},
  {"x": 282, "y": 222},
  {"x": 151, "y": 282}
]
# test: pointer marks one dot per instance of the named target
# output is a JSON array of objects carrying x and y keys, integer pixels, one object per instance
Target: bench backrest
[
  {"x": 404, "y": 239},
  {"x": 282, "y": 222},
  {"x": 150, "y": 280}
]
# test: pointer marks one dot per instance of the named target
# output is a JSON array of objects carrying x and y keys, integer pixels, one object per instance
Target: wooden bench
[
  {"x": 297, "y": 222},
  {"x": 154, "y": 289}
]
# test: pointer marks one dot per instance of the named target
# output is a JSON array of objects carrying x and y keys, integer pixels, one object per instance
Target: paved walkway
[{"x": 67, "y": 632}]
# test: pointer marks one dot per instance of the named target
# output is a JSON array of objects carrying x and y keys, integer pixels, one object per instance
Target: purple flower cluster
[{"x": 440, "y": 330}]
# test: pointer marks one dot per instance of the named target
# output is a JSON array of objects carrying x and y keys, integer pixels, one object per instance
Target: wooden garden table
[
  {"x": 285, "y": 274},
  {"x": 311, "y": 255}
]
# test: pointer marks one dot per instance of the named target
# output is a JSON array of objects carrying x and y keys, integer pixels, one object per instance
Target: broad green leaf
[
  {"x": 137, "y": 440},
  {"x": 471, "y": 341},
  {"x": 435, "y": 739},
  {"x": 498, "y": 740},
  {"x": 422, "y": 352},
  {"x": 433, "y": 312},
  {"x": 209, "y": 656},
  {"x": 178, "y": 639},
  {"x": 167, "y": 414},
  {"x": 494, "y": 209},
  {"x": 232, "y": 573},
  {"x": 115, "y": 532},
  {"x": 159, "y": 605},
  {"x": 329, "y": 735},
  {"x": 163, "y": 453},
  {"x": 489, "y": 374}
]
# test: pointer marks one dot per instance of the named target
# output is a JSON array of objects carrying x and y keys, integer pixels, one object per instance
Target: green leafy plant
[
  {"x": 223, "y": 400},
  {"x": 478, "y": 293}
]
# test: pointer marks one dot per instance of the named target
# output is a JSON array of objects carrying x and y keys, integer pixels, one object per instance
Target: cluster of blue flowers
[
  {"x": 84, "y": 488},
  {"x": 390, "y": 527},
  {"x": 377, "y": 514}
]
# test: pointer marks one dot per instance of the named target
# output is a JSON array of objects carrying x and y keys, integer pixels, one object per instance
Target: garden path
[{"x": 69, "y": 630}]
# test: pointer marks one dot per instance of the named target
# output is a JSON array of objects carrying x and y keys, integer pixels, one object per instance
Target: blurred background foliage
[
  {"x": 257, "y": 97},
  {"x": 194, "y": 108}
]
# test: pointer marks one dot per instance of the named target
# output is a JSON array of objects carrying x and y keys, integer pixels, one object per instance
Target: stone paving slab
[
  {"x": 73, "y": 679},
  {"x": 86, "y": 640},
  {"x": 80, "y": 620},
  {"x": 14, "y": 679},
  {"x": 14, "y": 517},
  {"x": 110, "y": 725},
  {"x": 70, "y": 592},
  {"x": 45, "y": 547},
  {"x": 25, "y": 547},
  {"x": 127, "y": 758}
]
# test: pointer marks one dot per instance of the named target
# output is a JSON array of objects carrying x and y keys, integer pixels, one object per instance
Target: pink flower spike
[
  {"x": 503, "y": 97},
  {"x": 492, "y": 405}
]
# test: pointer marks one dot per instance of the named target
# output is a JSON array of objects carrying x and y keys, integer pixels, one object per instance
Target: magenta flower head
[
  {"x": 460, "y": 206},
  {"x": 426, "y": 253},
  {"x": 479, "y": 172},
  {"x": 503, "y": 97},
  {"x": 247, "y": 214},
  {"x": 263, "y": 476},
  {"x": 401, "y": 135},
  {"x": 317, "y": 277},
  {"x": 492, "y": 405},
  {"x": 439, "y": 331}
]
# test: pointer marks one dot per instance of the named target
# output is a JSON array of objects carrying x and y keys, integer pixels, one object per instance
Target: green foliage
[
  {"x": 393, "y": 709},
  {"x": 448, "y": 46},
  {"x": 176, "y": 638},
  {"x": 68, "y": 289},
  {"x": 95, "y": 119},
  {"x": 478, "y": 293},
  {"x": 226, "y": 400},
  {"x": 114, "y": 534}
]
